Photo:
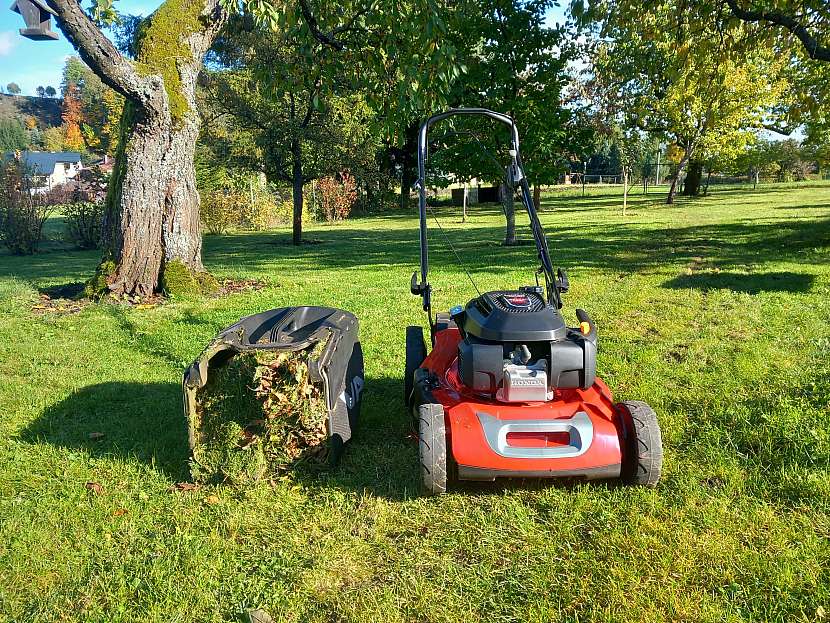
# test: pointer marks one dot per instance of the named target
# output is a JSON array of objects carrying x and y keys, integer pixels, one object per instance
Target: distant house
[{"x": 50, "y": 168}]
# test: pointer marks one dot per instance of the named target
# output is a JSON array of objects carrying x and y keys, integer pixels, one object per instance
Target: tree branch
[
  {"x": 811, "y": 45},
  {"x": 785, "y": 131},
  {"x": 100, "y": 54},
  {"x": 314, "y": 27}
]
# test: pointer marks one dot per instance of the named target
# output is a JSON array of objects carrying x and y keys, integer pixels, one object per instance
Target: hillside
[{"x": 47, "y": 111}]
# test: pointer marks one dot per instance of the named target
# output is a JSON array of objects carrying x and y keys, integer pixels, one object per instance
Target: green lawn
[{"x": 715, "y": 311}]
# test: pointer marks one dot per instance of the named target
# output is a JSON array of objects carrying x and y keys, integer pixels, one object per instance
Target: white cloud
[{"x": 6, "y": 43}]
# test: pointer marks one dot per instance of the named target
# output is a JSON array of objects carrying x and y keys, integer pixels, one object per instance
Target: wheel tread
[{"x": 645, "y": 462}]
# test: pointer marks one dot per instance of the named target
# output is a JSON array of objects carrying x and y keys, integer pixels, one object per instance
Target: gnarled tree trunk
[{"x": 153, "y": 206}]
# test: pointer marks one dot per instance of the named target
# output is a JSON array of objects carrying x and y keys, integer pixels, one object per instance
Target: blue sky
[{"x": 39, "y": 63}]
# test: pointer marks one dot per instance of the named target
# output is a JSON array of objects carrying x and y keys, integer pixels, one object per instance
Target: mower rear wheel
[
  {"x": 432, "y": 448},
  {"x": 416, "y": 352},
  {"x": 644, "y": 462}
]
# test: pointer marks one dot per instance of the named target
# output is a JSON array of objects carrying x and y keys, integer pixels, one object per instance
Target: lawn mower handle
[{"x": 423, "y": 288}]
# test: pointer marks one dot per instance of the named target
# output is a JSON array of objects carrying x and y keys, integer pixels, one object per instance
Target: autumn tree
[
  {"x": 72, "y": 116},
  {"x": 675, "y": 73}
]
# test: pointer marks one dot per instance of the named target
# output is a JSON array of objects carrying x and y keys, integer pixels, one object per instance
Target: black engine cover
[{"x": 513, "y": 316}]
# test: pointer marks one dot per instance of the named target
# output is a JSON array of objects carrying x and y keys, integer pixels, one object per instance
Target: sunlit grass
[{"x": 715, "y": 311}]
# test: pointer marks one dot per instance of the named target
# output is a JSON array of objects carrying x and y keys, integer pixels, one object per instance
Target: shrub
[
  {"x": 218, "y": 211},
  {"x": 335, "y": 197},
  {"x": 84, "y": 214},
  {"x": 84, "y": 220},
  {"x": 224, "y": 210},
  {"x": 22, "y": 211}
]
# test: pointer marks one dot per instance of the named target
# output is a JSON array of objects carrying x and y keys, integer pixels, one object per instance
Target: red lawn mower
[{"x": 508, "y": 389}]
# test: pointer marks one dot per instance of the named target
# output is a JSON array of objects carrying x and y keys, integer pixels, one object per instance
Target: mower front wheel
[
  {"x": 432, "y": 448},
  {"x": 644, "y": 445},
  {"x": 416, "y": 352}
]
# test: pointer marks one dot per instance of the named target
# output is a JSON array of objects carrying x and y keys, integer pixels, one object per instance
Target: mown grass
[{"x": 715, "y": 311}]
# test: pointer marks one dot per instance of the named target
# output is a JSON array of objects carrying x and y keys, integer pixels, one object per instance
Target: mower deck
[{"x": 575, "y": 435}]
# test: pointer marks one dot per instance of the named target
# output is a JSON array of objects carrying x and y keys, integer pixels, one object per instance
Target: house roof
[{"x": 43, "y": 162}]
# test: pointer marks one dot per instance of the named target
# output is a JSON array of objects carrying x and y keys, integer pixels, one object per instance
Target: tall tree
[
  {"x": 673, "y": 72},
  {"x": 13, "y": 88},
  {"x": 517, "y": 65},
  {"x": 152, "y": 214}
]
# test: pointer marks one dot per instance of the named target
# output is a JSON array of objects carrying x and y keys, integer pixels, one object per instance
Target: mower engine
[{"x": 517, "y": 348}]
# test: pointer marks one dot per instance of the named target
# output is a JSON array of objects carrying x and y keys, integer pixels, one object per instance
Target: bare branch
[
  {"x": 100, "y": 54},
  {"x": 814, "y": 50}
]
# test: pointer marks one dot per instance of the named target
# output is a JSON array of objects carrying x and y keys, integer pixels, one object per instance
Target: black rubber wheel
[
  {"x": 432, "y": 448},
  {"x": 416, "y": 352},
  {"x": 644, "y": 462}
]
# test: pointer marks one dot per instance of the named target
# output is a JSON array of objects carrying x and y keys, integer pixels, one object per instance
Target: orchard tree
[
  {"x": 291, "y": 123},
  {"x": 804, "y": 23},
  {"x": 674, "y": 73},
  {"x": 517, "y": 66},
  {"x": 152, "y": 215}
]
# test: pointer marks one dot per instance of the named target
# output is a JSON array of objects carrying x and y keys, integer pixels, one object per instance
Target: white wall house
[{"x": 50, "y": 168}]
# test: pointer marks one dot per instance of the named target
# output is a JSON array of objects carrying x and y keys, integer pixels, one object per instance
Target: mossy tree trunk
[{"x": 153, "y": 206}]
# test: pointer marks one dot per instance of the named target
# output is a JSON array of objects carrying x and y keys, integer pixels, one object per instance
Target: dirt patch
[{"x": 235, "y": 286}]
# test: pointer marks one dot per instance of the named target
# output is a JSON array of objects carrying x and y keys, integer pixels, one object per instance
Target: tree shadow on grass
[
  {"x": 608, "y": 246},
  {"x": 143, "y": 421},
  {"x": 753, "y": 283}
]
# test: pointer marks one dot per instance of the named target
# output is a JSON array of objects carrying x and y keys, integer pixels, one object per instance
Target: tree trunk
[
  {"x": 408, "y": 164},
  {"x": 625, "y": 191},
  {"x": 708, "y": 179},
  {"x": 509, "y": 209},
  {"x": 297, "y": 191},
  {"x": 691, "y": 186},
  {"x": 537, "y": 197},
  {"x": 678, "y": 174},
  {"x": 152, "y": 214}
]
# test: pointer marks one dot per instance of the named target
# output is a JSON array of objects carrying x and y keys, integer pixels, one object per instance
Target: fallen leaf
[
  {"x": 96, "y": 488},
  {"x": 212, "y": 499},
  {"x": 96, "y": 436},
  {"x": 145, "y": 306},
  {"x": 119, "y": 512},
  {"x": 185, "y": 486}
]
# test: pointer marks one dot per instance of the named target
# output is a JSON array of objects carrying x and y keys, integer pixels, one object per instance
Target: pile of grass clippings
[{"x": 258, "y": 416}]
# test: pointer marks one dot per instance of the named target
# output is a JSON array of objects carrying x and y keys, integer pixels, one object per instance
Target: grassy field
[{"x": 715, "y": 311}]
